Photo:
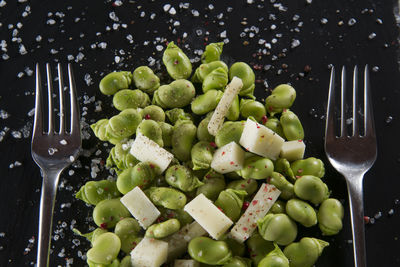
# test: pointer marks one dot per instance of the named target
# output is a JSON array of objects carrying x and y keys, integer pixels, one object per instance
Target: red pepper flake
[
  {"x": 176, "y": 62},
  {"x": 248, "y": 181},
  {"x": 220, "y": 209},
  {"x": 208, "y": 176},
  {"x": 269, "y": 198},
  {"x": 250, "y": 213},
  {"x": 245, "y": 228},
  {"x": 147, "y": 117},
  {"x": 232, "y": 162},
  {"x": 266, "y": 166},
  {"x": 258, "y": 126},
  {"x": 223, "y": 153},
  {"x": 254, "y": 202},
  {"x": 298, "y": 176},
  {"x": 254, "y": 225},
  {"x": 103, "y": 225},
  {"x": 366, "y": 219},
  {"x": 105, "y": 188},
  {"x": 245, "y": 205},
  {"x": 300, "y": 170},
  {"x": 152, "y": 166},
  {"x": 242, "y": 186},
  {"x": 262, "y": 136},
  {"x": 284, "y": 110},
  {"x": 300, "y": 140},
  {"x": 264, "y": 119},
  {"x": 265, "y": 188},
  {"x": 270, "y": 108},
  {"x": 213, "y": 144},
  {"x": 253, "y": 255}
]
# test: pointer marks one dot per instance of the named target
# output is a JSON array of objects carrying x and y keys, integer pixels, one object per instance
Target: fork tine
[
  {"x": 343, "y": 129},
  {"x": 50, "y": 98},
  {"x": 330, "y": 112},
  {"x": 75, "y": 125},
  {"x": 355, "y": 95},
  {"x": 61, "y": 93},
  {"x": 38, "y": 120},
  {"x": 369, "y": 126}
]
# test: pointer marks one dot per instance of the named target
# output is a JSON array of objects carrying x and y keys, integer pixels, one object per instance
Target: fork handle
[
  {"x": 47, "y": 200},
  {"x": 355, "y": 190}
]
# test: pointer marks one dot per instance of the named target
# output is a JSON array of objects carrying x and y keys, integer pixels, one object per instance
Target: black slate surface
[{"x": 72, "y": 27}]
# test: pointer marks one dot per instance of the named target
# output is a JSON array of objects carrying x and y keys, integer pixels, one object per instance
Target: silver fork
[
  {"x": 352, "y": 154},
  {"x": 53, "y": 151}
]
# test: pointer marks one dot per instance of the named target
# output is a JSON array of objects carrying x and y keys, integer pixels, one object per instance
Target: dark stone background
[{"x": 73, "y": 27}]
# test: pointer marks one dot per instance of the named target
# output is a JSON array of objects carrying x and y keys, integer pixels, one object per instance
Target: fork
[
  {"x": 352, "y": 154},
  {"x": 53, "y": 151}
]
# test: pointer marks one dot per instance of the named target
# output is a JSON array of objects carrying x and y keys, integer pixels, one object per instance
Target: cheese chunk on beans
[
  {"x": 186, "y": 263},
  {"x": 149, "y": 252},
  {"x": 293, "y": 150},
  {"x": 212, "y": 219},
  {"x": 228, "y": 158},
  {"x": 258, "y": 208}
]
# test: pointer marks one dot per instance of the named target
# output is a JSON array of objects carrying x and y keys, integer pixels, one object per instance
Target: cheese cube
[
  {"x": 178, "y": 242},
  {"x": 149, "y": 252},
  {"x": 228, "y": 158},
  {"x": 231, "y": 91},
  {"x": 141, "y": 207},
  {"x": 213, "y": 220},
  {"x": 258, "y": 208},
  {"x": 293, "y": 150},
  {"x": 146, "y": 150},
  {"x": 186, "y": 263},
  {"x": 260, "y": 140}
]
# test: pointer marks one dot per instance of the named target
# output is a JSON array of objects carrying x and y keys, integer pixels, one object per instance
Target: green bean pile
[{"x": 176, "y": 118}]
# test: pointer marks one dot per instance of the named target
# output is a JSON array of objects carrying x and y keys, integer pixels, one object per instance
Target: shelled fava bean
[{"x": 174, "y": 117}]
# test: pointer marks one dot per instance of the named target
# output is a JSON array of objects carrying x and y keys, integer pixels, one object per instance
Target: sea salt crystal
[
  {"x": 172, "y": 11},
  {"x": 16, "y": 134},
  {"x": 159, "y": 47},
  {"x": 52, "y": 151},
  {"x": 351, "y": 22},
  {"x": 22, "y": 49},
  {"x": 324, "y": 21},
  {"x": 195, "y": 13},
  {"x": 223, "y": 34},
  {"x": 295, "y": 43},
  {"x": 88, "y": 79},
  {"x": 71, "y": 172},
  {"x": 372, "y": 36},
  {"x": 4, "y": 114},
  {"x": 50, "y": 22},
  {"x": 166, "y": 7}
]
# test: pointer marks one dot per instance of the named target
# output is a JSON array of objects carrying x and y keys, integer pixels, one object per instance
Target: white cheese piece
[
  {"x": 149, "y": 252},
  {"x": 141, "y": 207},
  {"x": 213, "y": 220},
  {"x": 261, "y": 140},
  {"x": 231, "y": 91},
  {"x": 146, "y": 150},
  {"x": 228, "y": 158},
  {"x": 178, "y": 242},
  {"x": 293, "y": 150},
  {"x": 258, "y": 208},
  {"x": 186, "y": 263}
]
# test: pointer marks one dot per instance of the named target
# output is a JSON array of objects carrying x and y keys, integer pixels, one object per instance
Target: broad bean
[
  {"x": 167, "y": 130},
  {"x": 282, "y": 165},
  {"x": 177, "y": 63},
  {"x": 249, "y": 185},
  {"x": 91, "y": 236},
  {"x": 301, "y": 212},
  {"x": 177, "y": 94},
  {"x": 230, "y": 201},
  {"x": 230, "y": 131},
  {"x": 212, "y": 52},
  {"x": 166, "y": 197},
  {"x": 204, "y": 69},
  {"x": 120, "y": 157},
  {"x": 202, "y": 130},
  {"x": 237, "y": 248},
  {"x": 115, "y": 81},
  {"x": 330, "y": 216},
  {"x": 152, "y": 130},
  {"x": 234, "y": 110},
  {"x": 163, "y": 229},
  {"x": 142, "y": 175},
  {"x": 291, "y": 126},
  {"x": 145, "y": 79},
  {"x": 308, "y": 166},
  {"x": 282, "y": 97},
  {"x": 128, "y": 230},
  {"x": 183, "y": 137},
  {"x": 217, "y": 79},
  {"x": 182, "y": 177},
  {"x": 105, "y": 249},
  {"x": 123, "y": 125},
  {"x": 280, "y": 182},
  {"x": 238, "y": 262},
  {"x": 253, "y": 108},
  {"x": 244, "y": 72},
  {"x": 278, "y": 207},
  {"x": 108, "y": 212},
  {"x": 304, "y": 253},
  {"x": 154, "y": 113},
  {"x": 275, "y": 125},
  {"x": 202, "y": 155},
  {"x": 275, "y": 258},
  {"x": 206, "y": 102},
  {"x": 209, "y": 251},
  {"x": 100, "y": 129},
  {"x": 278, "y": 228},
  {"x": 126, "y": 262},
  {"x": 258, "y": 247},
  {"x": 95, "y": 191},
  {"x": 311, "y": 188},
  {"x": 214, "y": 183},
  {"x": 177, "y": 114},
  {"x": 256, "y": 167},
  {"x": 127, "y": 98}
]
